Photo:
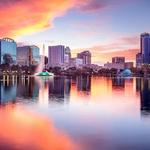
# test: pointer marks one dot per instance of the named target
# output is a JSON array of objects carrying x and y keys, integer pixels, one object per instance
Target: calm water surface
[{"x": 81, "y": 113}]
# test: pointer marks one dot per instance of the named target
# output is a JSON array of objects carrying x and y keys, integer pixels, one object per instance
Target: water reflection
[
  {"x": 143, "y": 85},
  {"x": 118, "y": 82},
  {"x": 27, "y": 87},
  {"x": 24, "y": 130},
  {"x": 8, "y": 90},
  {"x": 59, "y": 88},
  {"x": 98, "y": 113},
  {"x": 83, "y": 83}
]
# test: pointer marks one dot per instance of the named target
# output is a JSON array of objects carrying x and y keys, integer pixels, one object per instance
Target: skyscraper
[
  {"x": 8, "y": 51},
  {"x": 67, "y": 55},
  {"x": 35, "y": 55},
  {"x": 145, "y": 47},
  {"x": 28, "y": 55},
  {"x": 56, "y": 55},
  {"x": 139, "y": 60},
  {"x": 86, "y": 56}
]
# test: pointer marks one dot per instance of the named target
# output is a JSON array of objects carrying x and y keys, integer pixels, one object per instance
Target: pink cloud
[
  {"x": 19, "y": 17},
  {"x": 125, "y": 46},
  {"x": 91, "y": 5}
]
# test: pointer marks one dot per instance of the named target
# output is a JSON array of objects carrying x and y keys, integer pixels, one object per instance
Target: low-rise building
[
  {"x": 118, "y": 60},
  {"x": 128, "y": 65},
  {"x": 76, "y": 62},
  {"x": 118, "y": 66}
]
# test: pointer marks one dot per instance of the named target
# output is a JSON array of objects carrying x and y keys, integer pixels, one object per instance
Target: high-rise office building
[
  {"x": 28, "y": 55},
  {"x": 145, "y": 47},
  {"x": 35, "y": 55},
  {"x": 7, "y": 91},
  {"x": 8, "y": 51},
  {"x": 139, "y": 60},
  {"x": 56, "y": 55},
  {"x": 118, "y": 60},
  {"x": 67, "y": 55},
  {"x": 85, "y": 56}
]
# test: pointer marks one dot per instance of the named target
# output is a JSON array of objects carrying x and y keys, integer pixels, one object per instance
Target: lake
[{"x": 80, "y": 113}]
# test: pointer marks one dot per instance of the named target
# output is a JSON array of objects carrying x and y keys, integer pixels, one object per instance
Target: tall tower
[
  {"x": 56, "y": 55},
  {"x": 8, "y": 51},
  {"x": 145, "y": 47}
]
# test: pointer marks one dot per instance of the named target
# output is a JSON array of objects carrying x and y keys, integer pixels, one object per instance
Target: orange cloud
[
  {"x": 126, "y": 46},
  {"x": 23, "y": 17},
  {"x": 21, "y": 129},
  {"x": 129, "y": 54}
]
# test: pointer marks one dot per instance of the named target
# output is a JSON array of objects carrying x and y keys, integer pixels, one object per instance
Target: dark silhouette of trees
[{"x": 7, "y": 59}]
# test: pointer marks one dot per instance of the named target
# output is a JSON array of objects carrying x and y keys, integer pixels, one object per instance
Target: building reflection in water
[
  {"x": 34, "y": 88},
  {"x": 27, "y": 87},
  {"x": 138, "y": 84},
  {"x": 7, "y": 89},
  {"x": 118, "y": 82},
  {"x": 144, "y": 86},
  {"x": 59, "y": 89},
  {"x": 83, "y": 83},
  {"x": 44, "y": 90}
]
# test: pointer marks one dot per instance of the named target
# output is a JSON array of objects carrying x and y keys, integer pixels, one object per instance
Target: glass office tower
[
  {"x": 28, "y": 55},
  {"x": 35, "y": 55},
  {"x": 8, "y": 51},
  {"x": 56, "y": 55},
  {"x": 145, "y": 47}
]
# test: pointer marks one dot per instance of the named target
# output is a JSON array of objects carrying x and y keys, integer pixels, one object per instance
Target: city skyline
[{"x": 106, "y": 28}]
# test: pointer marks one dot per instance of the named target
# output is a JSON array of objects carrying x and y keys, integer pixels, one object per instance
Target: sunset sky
[{"x": 105, "y": 27}]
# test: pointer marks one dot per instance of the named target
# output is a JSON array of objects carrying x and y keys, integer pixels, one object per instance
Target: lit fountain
[{"x": 41, "y": 67}]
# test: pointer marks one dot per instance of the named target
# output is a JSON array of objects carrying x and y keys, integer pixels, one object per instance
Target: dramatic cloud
[
  {"x": 19, "y": 17},
  {"x": 126, "y": 46},
  {"x": 102, "y": 58}
]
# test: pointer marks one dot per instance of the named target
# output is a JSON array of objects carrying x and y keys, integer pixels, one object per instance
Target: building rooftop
[{"x": 8, "y": 40}]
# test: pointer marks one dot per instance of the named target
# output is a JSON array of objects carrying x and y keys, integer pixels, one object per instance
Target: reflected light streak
[{"x": 43, "y": 95}]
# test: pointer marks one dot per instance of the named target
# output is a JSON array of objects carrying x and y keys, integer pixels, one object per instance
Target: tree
[
  {"x": 45, "y": 60},
  {"x": 7, "y": 59}
]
